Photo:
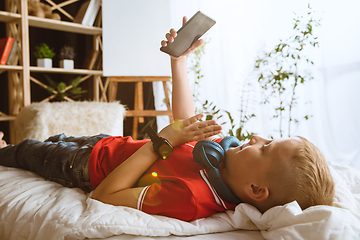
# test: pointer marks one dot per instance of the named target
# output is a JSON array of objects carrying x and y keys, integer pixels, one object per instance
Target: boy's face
[{"x": 250, "y": 163}]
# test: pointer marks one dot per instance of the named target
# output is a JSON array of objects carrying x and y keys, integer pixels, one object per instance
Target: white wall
[{"x": 132, "y": 32}]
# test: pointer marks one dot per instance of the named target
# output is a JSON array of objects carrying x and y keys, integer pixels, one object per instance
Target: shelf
[
  {"x": 66, "y": 71},
  {"x": 9, "y": 17},
  {"x": 51, "y": 70},
  {"x": 7, "y": 118},
  {"x": 63, "y": 26},
  {"x": 10, "y": 68},
  {"x": 52, "y": 24}
]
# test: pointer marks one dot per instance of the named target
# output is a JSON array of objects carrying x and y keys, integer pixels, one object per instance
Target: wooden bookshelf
[
  {"x": 65, "y": 71},
  {"x": 9, "y": 16},
  {"x": 10, "y": 68},
  {"x": 18, "y": 23},
  {"x": 63, "y": 26}
]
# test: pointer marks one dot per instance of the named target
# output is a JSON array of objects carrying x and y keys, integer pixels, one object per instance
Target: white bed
[{"x": 32, "y": 208}]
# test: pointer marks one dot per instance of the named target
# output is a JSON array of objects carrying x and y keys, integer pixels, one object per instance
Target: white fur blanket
[
  {"x": 42, "y": 120},
  {"x": 32, "y": 208}
]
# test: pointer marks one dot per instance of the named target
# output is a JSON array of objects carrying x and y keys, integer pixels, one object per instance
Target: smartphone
[{"x": 193, "y": 29}]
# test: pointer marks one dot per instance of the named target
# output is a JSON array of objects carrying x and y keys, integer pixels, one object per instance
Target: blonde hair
[{"x": 305, "y": 178}]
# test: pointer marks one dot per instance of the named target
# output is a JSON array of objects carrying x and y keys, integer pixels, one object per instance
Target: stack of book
[
  {"x": 8, "y": 48},
  {"x": 88, "y": 12}
]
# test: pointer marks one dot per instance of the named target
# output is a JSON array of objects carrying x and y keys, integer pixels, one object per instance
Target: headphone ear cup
[
  {"x": 229, "y": 142},
  {"x": 208, "y": 154}
]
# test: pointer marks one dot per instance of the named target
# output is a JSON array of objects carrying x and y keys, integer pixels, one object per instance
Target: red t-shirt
[{"x": 175, "y": 187}]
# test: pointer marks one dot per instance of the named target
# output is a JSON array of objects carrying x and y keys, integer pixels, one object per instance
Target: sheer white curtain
[
  {"x": 336, "y": 125},
  {"x": 244, "y": 27}
]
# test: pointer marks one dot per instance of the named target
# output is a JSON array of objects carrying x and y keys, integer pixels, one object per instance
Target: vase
[
  {"x": 44, "y": 62},
  {"x": 67, "y": 63}
]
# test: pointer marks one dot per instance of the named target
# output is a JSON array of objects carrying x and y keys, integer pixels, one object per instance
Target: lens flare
[
  {"x": 165, "y": 150},
  {"x": 153, "y": 180},
  {"x": 177, "y": 125}
]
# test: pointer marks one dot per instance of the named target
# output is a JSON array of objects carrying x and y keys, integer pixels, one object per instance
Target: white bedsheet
[{"x": 32, "y": 208}]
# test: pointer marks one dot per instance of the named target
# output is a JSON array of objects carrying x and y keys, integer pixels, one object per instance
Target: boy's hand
[
  {"x": 188, "y": 130},
  {"x": 172, "y": 35}
]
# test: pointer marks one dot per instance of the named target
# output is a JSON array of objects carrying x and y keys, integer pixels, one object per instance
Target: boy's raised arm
[{"x": 182, "y": 99}]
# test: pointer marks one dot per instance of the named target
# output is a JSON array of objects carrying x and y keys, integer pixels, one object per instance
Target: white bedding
[{"x": 32, "y": 208}]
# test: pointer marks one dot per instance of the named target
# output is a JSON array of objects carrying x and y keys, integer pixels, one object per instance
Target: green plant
[
  {"x": 240, "y": 131},
  {"x": 284, "y": 67},
  {"x": 62, "y": 90},
  {"x": 67, "y": 52},
  {"x": 43, "y": 51}
]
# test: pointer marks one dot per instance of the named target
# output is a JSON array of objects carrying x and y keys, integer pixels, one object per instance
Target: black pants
[{"x": 61, "y": 159}]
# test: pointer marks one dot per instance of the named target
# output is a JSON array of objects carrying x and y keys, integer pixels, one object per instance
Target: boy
[{"x": 121, "y": 171}]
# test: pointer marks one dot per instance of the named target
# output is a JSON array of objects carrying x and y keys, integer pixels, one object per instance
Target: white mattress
[
  {"x": 238, "y": 234},
  {"x": 32, "y": 208}
]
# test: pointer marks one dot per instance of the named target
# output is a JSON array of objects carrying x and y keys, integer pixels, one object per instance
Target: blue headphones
[{"x": 210, "y": 154}]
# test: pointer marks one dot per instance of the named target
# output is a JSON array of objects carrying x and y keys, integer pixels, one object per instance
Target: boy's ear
[{"x": 256, "y": 193}]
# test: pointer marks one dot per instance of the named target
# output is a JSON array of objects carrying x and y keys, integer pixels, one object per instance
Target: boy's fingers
[
  {"x": 163, "y": 43},
  {"x": 212, "y": 130},
  {"x": 184, "y": 20},
  {"x": 198, "y": 129},
  {"x": 205, "y": 124},
  {"x": 208, "y": 129},
  {"x": 169, "y": 37},
  {"x": 173, "y": 33},
  {"x": 193, "y": 119},
  {"x": 207, "y": 132},
  {"x": 197, "y": 44},
  {"x": 210, "y": 134}
]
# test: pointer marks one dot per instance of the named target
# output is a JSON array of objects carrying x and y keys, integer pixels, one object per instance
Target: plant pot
[
  {"x": 67, "y": 63},
  {"x": 44, "y": 62}
]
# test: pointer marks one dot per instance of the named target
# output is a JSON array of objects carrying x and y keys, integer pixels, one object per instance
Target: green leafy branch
[
  {"x": 280, "y": 71},
  {"x": 63, "y": 90}
]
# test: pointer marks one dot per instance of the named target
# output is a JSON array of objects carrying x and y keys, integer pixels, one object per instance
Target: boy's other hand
[
  {"x": 172, "y": 35},
  {"x": 190, "y": 129}
]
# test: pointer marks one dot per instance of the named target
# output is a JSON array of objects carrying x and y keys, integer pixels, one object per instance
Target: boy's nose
[{"x": 256, "y": 139}]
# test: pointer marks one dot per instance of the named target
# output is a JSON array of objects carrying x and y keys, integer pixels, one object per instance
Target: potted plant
[
  {"x": 67, "y": 56},
  {"x": 44, "y": 55}
]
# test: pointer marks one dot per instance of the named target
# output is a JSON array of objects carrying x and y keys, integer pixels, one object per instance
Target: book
[
  {"x": 5, "y": 49},
  {"x": 98, "y": 19},
  {"x": 12, "y": 54},
  {"x": 91, "y": 12},
  {"x": 81, "y": 13},
  {"x": 88, "y": 12}
]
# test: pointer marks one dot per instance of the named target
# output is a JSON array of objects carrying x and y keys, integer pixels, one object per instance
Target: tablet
[{"x": 193, "y": 29}]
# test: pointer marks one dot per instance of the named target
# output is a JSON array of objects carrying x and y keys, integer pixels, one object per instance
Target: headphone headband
[{"x": 209, "y": 154}]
